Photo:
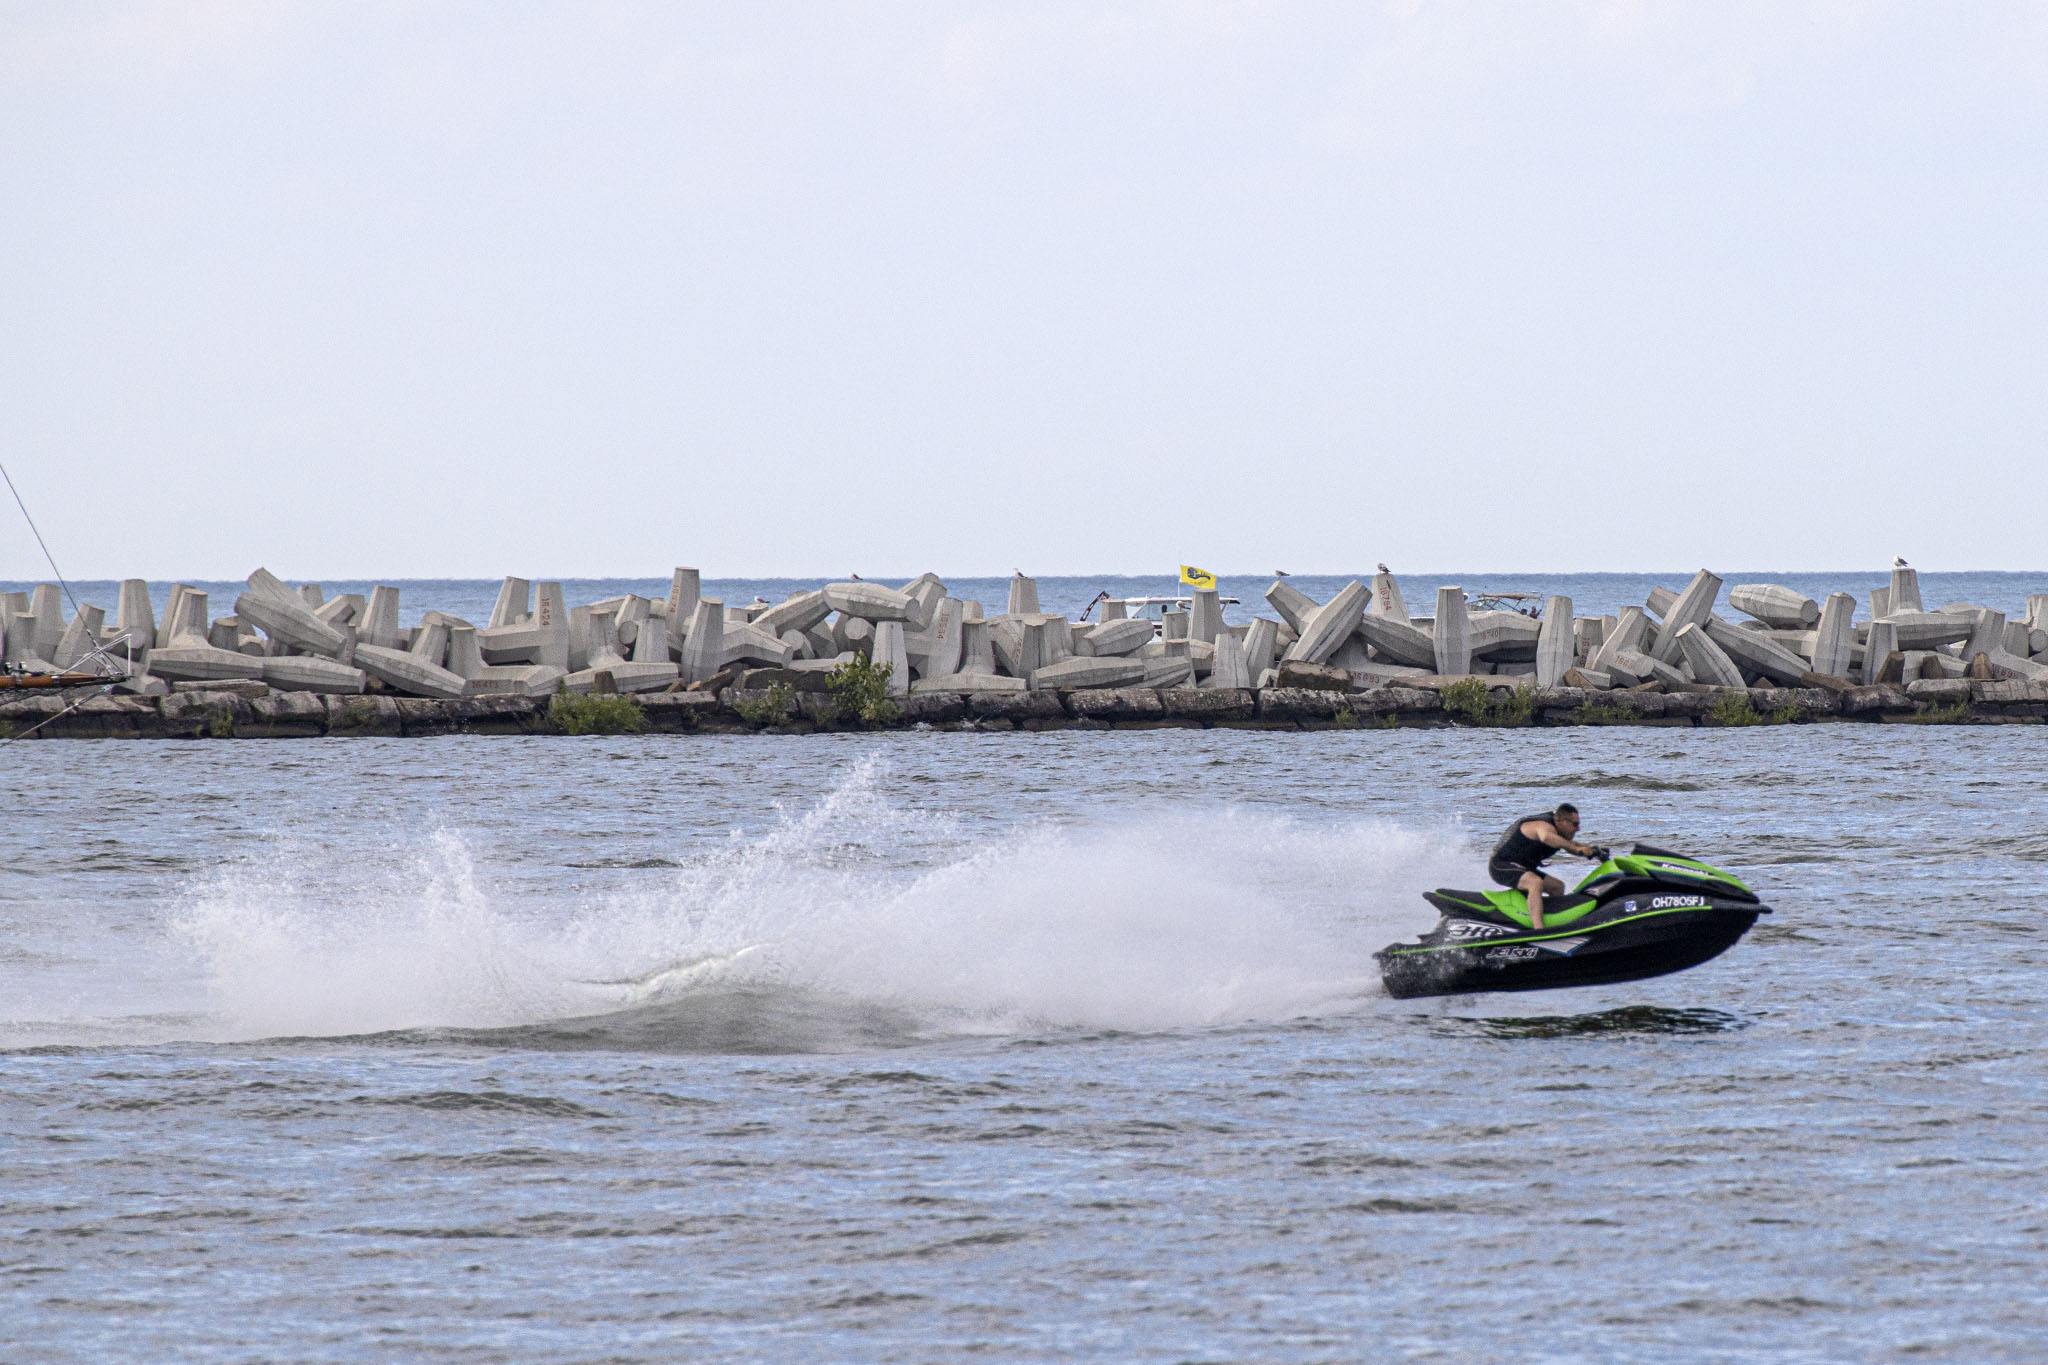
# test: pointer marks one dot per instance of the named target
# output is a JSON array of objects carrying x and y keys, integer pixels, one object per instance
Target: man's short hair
[{"x": 1566, "y": 808}]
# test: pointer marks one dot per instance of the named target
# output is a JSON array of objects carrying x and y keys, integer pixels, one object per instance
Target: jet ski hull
[
  {"x": 1626, "y": 949},
  {"x": 1643, "y": 914}
]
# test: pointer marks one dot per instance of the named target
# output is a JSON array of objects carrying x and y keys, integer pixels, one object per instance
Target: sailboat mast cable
[{"x": 39, "y": 538}]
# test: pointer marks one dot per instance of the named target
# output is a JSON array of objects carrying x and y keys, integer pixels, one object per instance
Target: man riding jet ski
[
  {"x": 1641, "y": 914},
  {"x": 1531, "y": 842}
]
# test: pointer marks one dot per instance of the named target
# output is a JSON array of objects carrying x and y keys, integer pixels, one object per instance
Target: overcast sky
[{"x": 405, "y": 290}]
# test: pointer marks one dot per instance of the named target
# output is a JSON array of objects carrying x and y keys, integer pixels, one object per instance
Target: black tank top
[{"x": 1519, "y": 849}]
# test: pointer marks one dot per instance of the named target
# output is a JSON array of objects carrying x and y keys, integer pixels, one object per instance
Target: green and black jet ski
[{"x": 1642, "y": 914}]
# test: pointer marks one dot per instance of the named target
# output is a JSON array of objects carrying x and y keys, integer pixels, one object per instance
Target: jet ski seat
[{"x": 1480, "y": 905}]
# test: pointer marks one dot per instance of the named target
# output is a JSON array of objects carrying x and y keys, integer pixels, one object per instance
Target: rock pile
[{"x": 285, "y": 638}]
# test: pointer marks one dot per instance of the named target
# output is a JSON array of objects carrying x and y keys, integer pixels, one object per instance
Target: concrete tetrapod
[
  {"x": 18, "y": 648},
  {"x": 1023, "y": 596},
  {"x": 869, "y": 601},
  {"x": 342, "y": 610},
  {"x": 1556, "y": 645},
  {"x": 134, "y": 616},
  {"x": 1708, "y": 661},
  {"x": 1399, "y": 642},
  {"x": 1018, "y": 647},
  {"x": 704, "y": 646},
  {"x": 856, "y": 633},
  {"x": 977, "y": 650},
  {"x": 1835, "y": 637},
  {"x": 579, "y": 638},
  {"x": 1294, "y": 605},
  {"x": 514, "y": 604},
  {"x": 1631, "y": 632},
  {"x": 463, "y": 657},
  {"x": 1168, "y": 673},
  {"x": 750, "y": 643},
  {"x": 1879, "y": 645},
  {"x": 936, "y": 650},
  {"x": 1205, "y": 616},
  {"x": 650, "y": 645},
  {"x": 307, "y": 673},
  {"x": 166, "y": 628},
  {"x": 1755, "y": 652},
  {"x": 46, "y": 605},
  {"x": 683, "y": 594},
  {"x": 1926, "y": 629},
  {"x": 970, "y": 682},
  {"x": 626, "y": 677},
  {"x": 1631, "y": 667},
  {"x": 801, "y": 611},
  {"x": 185, "y": 623},
  {"x": 191, "y": 661},
  {"x": 1774, "y": 604},
  {"x": 1587, "y": 634},
  {"x": 264, "y": 583},
  {"x": 1988, "y": 637},
  {"x": 288, "y": 621},
  {"x": 890, "y": 654},
  {"x": 925, "y": 592},
  {"x": 542, "y": 638},
  {"x": 1905, "y": 591},
  {"x": 1059, "y": 638},
  {"x": 1386, "y": 599},
  {"x": 379, "y": 626},
  {"x": 1261, "y": 645},
  {"x": 1691, "y": 608},
  {"x": 1228, "y": 669},
  {"x": 1331, "y": 625},
  {"x": 1085, "y": 672},
  {"x": 405, "y": 672},
  {"x": 80, "y": 638},
  {"x": 1451, "y": 634}
]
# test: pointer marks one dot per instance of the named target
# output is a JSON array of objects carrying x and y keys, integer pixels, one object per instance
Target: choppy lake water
[{"x": 926, "y": 1046}]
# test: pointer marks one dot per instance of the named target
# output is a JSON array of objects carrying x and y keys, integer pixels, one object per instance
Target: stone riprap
[{"x": 290, "y": 661}]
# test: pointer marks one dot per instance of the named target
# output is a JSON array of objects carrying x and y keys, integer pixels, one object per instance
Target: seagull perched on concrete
[
  {"x": 1898, "y": 563},
  {"x": 853, "y": 578},
  {"x": 1385, "y": 569},
  {"x": 1280, "y": 573}
]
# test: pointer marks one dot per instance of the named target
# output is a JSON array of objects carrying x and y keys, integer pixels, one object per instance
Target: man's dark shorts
[{"x": 1507, "y": 873}]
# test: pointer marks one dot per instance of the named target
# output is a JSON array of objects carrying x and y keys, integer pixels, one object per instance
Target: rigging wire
[
  {"x": 52, "y": 560},
  {"x": 100, "y": 652}
]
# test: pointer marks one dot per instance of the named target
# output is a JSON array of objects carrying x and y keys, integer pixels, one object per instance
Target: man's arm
[{"x": 1545, "y": 833}]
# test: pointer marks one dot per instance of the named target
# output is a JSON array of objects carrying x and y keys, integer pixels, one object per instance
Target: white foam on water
[{"x": 1171, "y": 916}]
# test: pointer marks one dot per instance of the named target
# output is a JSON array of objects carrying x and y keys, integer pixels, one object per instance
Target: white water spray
[{"x": 1174, "y": 917}]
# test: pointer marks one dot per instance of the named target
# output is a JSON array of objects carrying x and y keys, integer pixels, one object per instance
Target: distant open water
[
  {"x": 930, "y": 1046},
  {"x": 1592, "y": 594}
]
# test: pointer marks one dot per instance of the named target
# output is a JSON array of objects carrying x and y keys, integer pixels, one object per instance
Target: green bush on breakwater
[
  {"x": 860, "y": 688},
  {"x": 595, "y": 715},
  {"x": 1474, "y": 701},
  {"x": 773, "y": 709}
]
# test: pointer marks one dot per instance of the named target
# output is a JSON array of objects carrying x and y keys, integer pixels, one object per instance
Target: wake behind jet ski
[{"x": 1645, "y": 913}]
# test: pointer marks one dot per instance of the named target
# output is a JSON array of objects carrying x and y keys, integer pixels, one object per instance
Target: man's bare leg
[{"x": 1531, "y": 884}]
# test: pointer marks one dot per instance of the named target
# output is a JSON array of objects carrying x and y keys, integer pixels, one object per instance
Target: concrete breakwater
[{"x": 290, "y": 660}]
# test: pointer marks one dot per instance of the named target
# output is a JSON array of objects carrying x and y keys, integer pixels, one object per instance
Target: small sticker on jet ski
[
  {"x": 1501, "y": 957},
  {"x": 1472, "y": 928}
]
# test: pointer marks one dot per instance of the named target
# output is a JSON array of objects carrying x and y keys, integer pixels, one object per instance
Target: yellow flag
[{"x": 1197, "y": 578}]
